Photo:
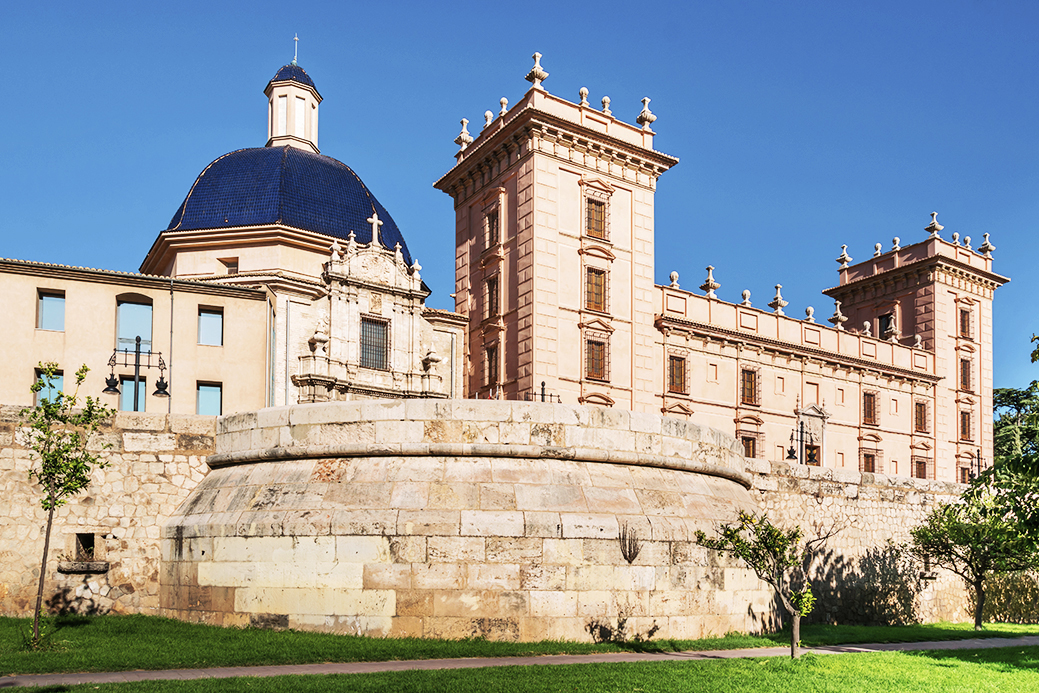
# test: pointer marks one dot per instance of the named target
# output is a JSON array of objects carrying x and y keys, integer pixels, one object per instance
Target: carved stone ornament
[
  {"x": 606, "y": 106},
  {"x": 746, "y": 299},
  {"x": 488, "y": 118},
  {"x": 809, "y": 314},
  {"x": 918, "y": 341},
  {"x": 838, "y": 318},
  {"x": 777, "y": 304},
  {"x": 966, "y": 242},
  {"x": 674, "y": 280},
  {"x": 646, "y": 117},
  {"x": 709, "y": 284},
  {"x": 464, "y": 139},
  {"x": 583, "y": 93},
  {"x": 895, "y": 243},
  {"x": 986, "y": 247},
  {"x": 843, "y": 259},
  {"x": 504, "y": 106},
  {"x": 867, "y": 328},
  {"x": 892, "y": 332},
  {"x": 955, "y": 238},
  {"x": 537, "y": 75},
  {"x": 934, "y": 227},
  {"x": 415, "y": 269},
  {"x": 430, "y": 360},
  {"x": 878, "y": 250}
]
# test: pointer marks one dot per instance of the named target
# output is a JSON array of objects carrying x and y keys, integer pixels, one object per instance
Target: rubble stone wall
[{"x": 155, "y": 460}]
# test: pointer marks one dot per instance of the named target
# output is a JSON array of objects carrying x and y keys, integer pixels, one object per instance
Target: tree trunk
[
  {"x": 795, "y": 636},
  {"x": 43, "y": 576},
  {"x": 979, "y": 603}
]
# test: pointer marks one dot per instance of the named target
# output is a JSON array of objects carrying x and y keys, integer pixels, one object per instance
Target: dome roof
[
  {"x": 294, "y": 73},
  {"x": 287, "y": 186}
]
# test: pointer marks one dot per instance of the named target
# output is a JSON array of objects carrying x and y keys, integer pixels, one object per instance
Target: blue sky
[{"x": 800, "y": 126}]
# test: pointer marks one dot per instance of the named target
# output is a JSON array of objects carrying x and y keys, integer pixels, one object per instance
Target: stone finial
[
  {"x": 376, "y": 223},
  {"x": 709, "y": 284},
  {"x": 955, "y": 238},
  {"x": 430, "y": 360},
  {"x": 809, "y": 314},
  {"x": 966, "y": 242},
  {"x": 646, "y": 117},
  {"x": 674, "y": 280},
  {"x": 583, "y": 93},
  {"x": 336, "y": 250},
  {"x": 415, "y": 269},
  {"x": 399, "y": 255},
  {"x": 351, "y": 243},
  {"x": 504, "y": 106},
  {"x": 918, "y": 341},
  {"x": 838, "y": 318},
  {"x": 537, "y": 74},
  {"x": 892, "y": 333},
  {"x": 843, "y": 259},
  {"x": 896, "y": 243},
  {"x": 986, "y": 248},
  {"x": 934, "y": 227},
  {"x": 464, "y": 139},
  {"x": 878, "y": 250},
  {"x": 488, "y": 117},
  {"x": 606, "y": 106},
  {"x": 777, "y": 304},
  {"x": 746, "y": 299},
  {"x": 867, "y": 328}
]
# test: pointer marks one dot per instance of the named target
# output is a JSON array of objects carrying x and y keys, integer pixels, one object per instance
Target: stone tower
[
  {"x": 935, "y": 295},
  {"x": 554, "y": 250}
]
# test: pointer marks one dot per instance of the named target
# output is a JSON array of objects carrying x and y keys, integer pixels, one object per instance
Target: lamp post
[
  {"x": 800, "y": 436},
  {"x": 977, "y": 465},
  {"x": 161, "y": 388}
]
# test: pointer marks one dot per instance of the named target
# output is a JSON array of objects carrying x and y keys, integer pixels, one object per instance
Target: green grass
[
  {"x": 120, "y": 643},
  {"x": 1006, "y": 669}
]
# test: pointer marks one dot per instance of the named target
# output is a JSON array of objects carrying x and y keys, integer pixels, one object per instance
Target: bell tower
[{"x": 292, "y": 105}]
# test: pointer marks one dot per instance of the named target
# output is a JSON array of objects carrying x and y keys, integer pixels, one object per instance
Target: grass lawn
[
  {"x": 120, "y": 643},
  {"x": 1007, "y": 669}
]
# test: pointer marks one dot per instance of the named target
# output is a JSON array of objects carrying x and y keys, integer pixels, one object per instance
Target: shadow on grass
[{"x": 1019, "y": 658}]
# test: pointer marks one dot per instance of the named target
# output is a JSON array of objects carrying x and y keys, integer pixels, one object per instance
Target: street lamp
[
  {"x": 798, "y": 438},
  {"x": 162, "y": 388}
]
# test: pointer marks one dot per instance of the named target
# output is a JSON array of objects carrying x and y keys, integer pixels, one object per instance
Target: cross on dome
[
  {"x": 376, "y": 223},
  {"x": 295, "y": 50}
]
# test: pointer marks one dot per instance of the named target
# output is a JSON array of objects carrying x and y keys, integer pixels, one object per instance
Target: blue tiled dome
[
  {"x": 289, "y": 186},
  {"x": 294, "y": 73}
]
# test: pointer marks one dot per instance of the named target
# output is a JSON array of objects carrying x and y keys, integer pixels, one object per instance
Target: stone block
[
  {"x": 442, "y": 431},
  {"x": 360, "y": 549},
  {"x": 453, "y": 496},
  {"x": 542, "y": 577},
  {"x": 497, "y": 497},
  {"x": 480, "y": 432},
  {"x": 192, "y": 425},
  {"x": 438, "y": 576},
  {"x": 399, "y": 431},
  {"x": 467, "y": 470},
  {"x": 514, "y": 433},
  {"x": 354, "y": 496},
  {"x": 492, "y": 523},
  {"x": 141, "y": 421},
  {"x": 273, "y": 417},
  {"x": 148, "y": 442},
  {"x": 429, "y": 522},
  {"x": 414, "y": 603},
  {"x": 521, "y": 471},
  {"x": 620, "y": 501},
  {"x": 587, "y": 526},
  {"x": 493, "y": 577},
  {"x": 410, "y": 495},
  {"x": 553, "y": 604},
  {"x": 513, "y": 550},
  {"x": 414, "y": 469},
  {"x": 331, "y": 433},
  {"x": 593, "y": 604},
  {"x": 387, "y": 576},
  {"x": 455, "y": 550},
  {"x": 549, "y": 497},
  {"x": 542, "y": 524},
  {"x": 563, "y": 551},
  {"x": 408, "y": 549},
  {"x": 405, "y": 626}
]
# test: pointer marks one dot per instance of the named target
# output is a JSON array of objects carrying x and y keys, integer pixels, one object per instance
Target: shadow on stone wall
[
  {"x": 1010, "y": 598},
  {"x": 79, "y": 601},
  {"x": 881, "y": 587}
]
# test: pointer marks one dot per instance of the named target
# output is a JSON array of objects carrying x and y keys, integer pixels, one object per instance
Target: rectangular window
[
  {"x": 133, "y": 320},
  {"x": 491, "y": 354},
  {"x": 211, "y": 326},
  {"x": 85, "y": 546},
  {"x": 230, "y": 264},
  {"x": 869, "y": 462},
  {"x": 965, "y": 432},
  {"x": 492, "y": 310},
  {"x": 209, "y": 399},
  {"x": 301, "y": 121},
  {"x": 884, "y": 323},
  {"x": 492, "y": 229},
  {"x": 595, "y": 359},
  {"x": 965, "y": 322},
  {"x": 51, "y": 387},
  {"x": 127, "y": 393},
  {"x": 920, "y": 417},
  {"x": 870, "y": 413},
  {"x": 595, "y": 218},
  {"x": 750, "y": 446},
  {"x": 748, "y": 386},
  {"x": 922, "y": 468},
  {"x": 965, "y": 383},
  {"x": 963, "y": 475},
  {"x": 375, "y": 343},
  {"x": 676, "y": 374},
  {"x": 283, "y": 115},
  {"x": 50, "y": 310},
  {"x": 595, "y": 289}
]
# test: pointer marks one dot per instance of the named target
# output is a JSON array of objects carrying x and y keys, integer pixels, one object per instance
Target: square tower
[
  {"x": 554, "y": 251},
  {"x": 935, "y": 295}
]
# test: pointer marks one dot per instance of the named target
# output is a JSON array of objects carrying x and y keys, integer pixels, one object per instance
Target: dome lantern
[{"x": 292, "y": 105}]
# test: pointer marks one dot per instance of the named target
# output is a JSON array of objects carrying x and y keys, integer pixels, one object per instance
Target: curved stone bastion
[{"x": 462, "y": 518}]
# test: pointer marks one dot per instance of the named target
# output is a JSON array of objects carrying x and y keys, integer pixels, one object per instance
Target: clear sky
[{"x": 800, "y": 126}]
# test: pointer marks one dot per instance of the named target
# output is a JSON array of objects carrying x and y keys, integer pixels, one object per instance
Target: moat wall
[{"x": 455, "y": 518}]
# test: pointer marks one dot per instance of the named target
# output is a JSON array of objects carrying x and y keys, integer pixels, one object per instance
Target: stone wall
[
  {"x": 155, "y": 460},
  {"x": 859, "y": 575}
]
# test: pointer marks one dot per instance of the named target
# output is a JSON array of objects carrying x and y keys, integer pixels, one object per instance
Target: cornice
[{"x": 935, "y": 263}]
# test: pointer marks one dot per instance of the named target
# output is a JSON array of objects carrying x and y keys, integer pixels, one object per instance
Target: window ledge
[{"x": 82, "y": 567}]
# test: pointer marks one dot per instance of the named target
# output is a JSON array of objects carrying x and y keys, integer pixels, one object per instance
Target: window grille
[
  {"x": 676, "y": 374},
  {"x": 922, "y": 467},
  {"x": 491, "y": 362},
  {"x": 750, "y": 386},
  {"x": 871, "y": 461},
  {"x": 920, "y": 417},
  {"x": 965, "y": 323},
  {"x": 375, "y": 343},
  {"x": 595, "y": 289},
  {"x": 596, "y": 215},
  {"x": 870, "y": 409},
  {"x": 493, "y": 229},
  {"x": 965, "y": 427},
  {"x": 491, "y": 307},
  {"x": 965, "y": 380},
  {"x": 597, "y": 357},
  {"x": 753, "y": 443},
  {"x": 963, "y": 475}
]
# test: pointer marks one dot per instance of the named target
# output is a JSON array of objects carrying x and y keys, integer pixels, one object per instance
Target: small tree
[
  {"x": 974, "y": 538},
  {"x": 59, "y": 434},
  {"x": 777, "y": 557}
]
